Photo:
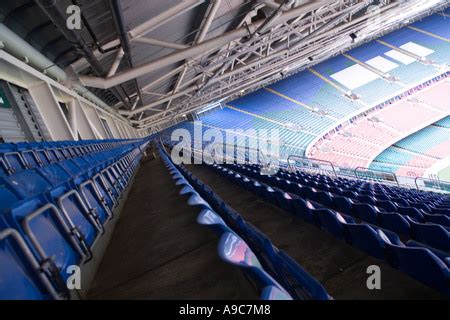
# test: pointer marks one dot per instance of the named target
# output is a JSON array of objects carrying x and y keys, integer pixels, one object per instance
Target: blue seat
[
  {"x": 27, "y": 183},
  {"x": 269, "y": 194},
  {"x": 7, "y": 198},
  {"x": 444, "y": 256},
  {"x": 19, "y": 275},
  {"x": 76, "y": 213},
  {"x": 95, "y": 201},
  {"x": 212, "y": 220},
  {"x": 420, "y": 205},
  {"x": 399, "y": 201},
  {"x": 306, "y": 287},
  {"x": 388, "y": 206},
  {"x": 54, "y": 244},
  {"x": 441, "y": 219},
  {"x": 330, "y": 221},
  {"x": 31, "y": 158},
  {"x": 411, "y": 212},
  {"x": 196, "y": 200},
  {"x": 284, "y": 200},
  {"x": 366, "y": 199},
  {"x": 71, "y": 168},
  {"x": 443, "y": 211},
  {"x": 234, "y": 250},
  {"x": 421, "y": 264},
  {"x": 343, "y": 205},
  {"x": 431, "y": 234},
  {"x": 274, "y": 293},
  {"x": 54, "y": 174},
  {"x": 324, "y": 198},
  {"x": 43, "y": 157},
  {"x": 366, "y": 212},
  {"x": 395, "y": 222},
  {"x": 105, "y": 190},
  {"x": 302, "y": 209},
  {"x": 366, "y": 239}
]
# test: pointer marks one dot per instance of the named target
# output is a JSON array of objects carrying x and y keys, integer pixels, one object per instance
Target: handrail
[
  {"x": 237, "y": 147},
  {"x": 311, "y": 159},
  {"x": 374, "y": 171},
  {"x": 434, "y": 181}
]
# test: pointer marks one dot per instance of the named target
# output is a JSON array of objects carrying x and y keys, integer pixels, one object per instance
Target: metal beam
[
  {"x": 192, "y": 51},
  {"x": 300, "y": 52},
  {"x": 164, "y": 17},
  {"x": 201, "y": 35},
  {"x": 116, "y": 62},
  {"x": 160, "y": 43}
]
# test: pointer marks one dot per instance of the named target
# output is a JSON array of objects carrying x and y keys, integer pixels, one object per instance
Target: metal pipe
[
  {"x": 58, "y": 16},
  {"x": 192, "y": 51},
  {"x": 272, "y": 56},
  {"x": 204, "y": 28},
  {"x": 116, "y": 62},
  {"x": 20, "y": 48},
  {"x": 212, "y": 10},
  {"x": 163, "y": 17},
  {"x": 160, "y": 43},
  {"x": 157, "y": 102},
  {"x": 118, "y": 21}
]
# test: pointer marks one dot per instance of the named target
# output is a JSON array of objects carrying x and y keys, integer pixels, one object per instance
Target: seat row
[
  {"x": 431, "y": 229},
  {"x": 421, "y": 262},
  {"x": 52, "y": 217},
  {"x": 427, "y": 202},
  {"x": 15, "y": 157},
  {"x": 277, "y": 264},
  {"x": 231, "y": 248}
]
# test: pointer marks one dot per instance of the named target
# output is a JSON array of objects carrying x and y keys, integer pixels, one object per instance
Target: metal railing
[
  {"x": 311, "y": 164},
  {"x": 377, "y": 175}
]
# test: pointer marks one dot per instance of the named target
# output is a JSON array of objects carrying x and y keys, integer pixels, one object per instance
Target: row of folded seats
[
  {"x": 275, "y": 275},
  {"x": 426, "y": 258},
  {"x": 56, "y": 199}
]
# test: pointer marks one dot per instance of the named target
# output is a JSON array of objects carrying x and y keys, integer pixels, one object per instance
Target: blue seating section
[
  {"x": 56, "y": 199},
  {"x": 231, "y": 248},
  {"x": 416, "y": 144},
  {"x": 444, "y": 123},
  {"x": 276, "y": 273},
  {"x": 272, "y": 106},
  {"x": 280, "y": 105},
  {"x": 425, "y": 139},
  {"x": 367, "y": 216},
  {"x": 435, "y": 24}
]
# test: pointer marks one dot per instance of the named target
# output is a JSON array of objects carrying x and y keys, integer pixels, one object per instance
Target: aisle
[{"x": 158, "y": 251}]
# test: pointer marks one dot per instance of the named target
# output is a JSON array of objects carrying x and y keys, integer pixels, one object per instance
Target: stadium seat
[
  {"x": 20, "y": 275},
  {"x": 395, "y": 222},
  {"x": 431, "y": 270},
  {"x": 432, "y": 234}
]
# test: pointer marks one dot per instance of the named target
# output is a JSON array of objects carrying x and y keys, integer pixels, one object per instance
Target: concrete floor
[
  {"x": 158, "y": 251},
  {"x": 338, "y": 266}
]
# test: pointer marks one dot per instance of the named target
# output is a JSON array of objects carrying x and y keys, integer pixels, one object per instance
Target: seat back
[
  {"x": 366, "y": 212},
  {"x": 431, "y": 234},
  {"x": 302, "y": 209},
  {"x": 7, "y": 198},
  {"x": 365, "y": 238},
  {"x": 423, "y": 265},
  {"x": 19, "y": 277},
  {"x": 330, "y": 221},
  {"x": 343, "y": 204},
  {"x": 54, "y": 174},
  {"x": 76, "y": 212},
  {"x": 45, "y": 231},
  {"x": 411, "y": 212},
  {"x": 395, "y": 222},
  {"x": 27, "y": 183}
]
